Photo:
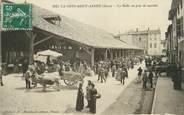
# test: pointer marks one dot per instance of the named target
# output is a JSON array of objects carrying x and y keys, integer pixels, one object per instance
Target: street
[{"x": 15, "y": 98}]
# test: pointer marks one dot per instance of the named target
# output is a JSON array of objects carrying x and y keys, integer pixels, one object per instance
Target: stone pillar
[
  {"x": 105, "y": 54},
  {"x": 111, "y": 54},
  {"x": 31, "y": 37},
  {"x": 122, "y": 55},
  {"x": 31, "y": 50},
  {"x": 92, "y": 56},
  {"x": 119, "y": 53}
]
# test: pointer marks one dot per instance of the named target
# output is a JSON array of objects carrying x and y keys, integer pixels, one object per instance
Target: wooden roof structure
[{"x": 76, "y": 31}]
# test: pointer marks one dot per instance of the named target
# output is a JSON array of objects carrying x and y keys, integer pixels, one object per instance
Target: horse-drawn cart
[{"x": 70, "y": 79}]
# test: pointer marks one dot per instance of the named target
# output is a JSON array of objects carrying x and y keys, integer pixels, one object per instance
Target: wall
[
  {"x": 154, "y": 44},
  {"x": 127, "y": 38},
  {"x": 141, "y": 40},
  {"x": 137, "y": 39},
  {"x": 181, "y": 56}
]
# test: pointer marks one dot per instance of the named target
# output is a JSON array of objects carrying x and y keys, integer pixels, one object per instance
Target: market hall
[{"x": 75, "y": 40}]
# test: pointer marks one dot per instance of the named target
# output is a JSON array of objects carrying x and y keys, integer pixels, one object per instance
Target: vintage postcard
[{"x": 103, "y": 57}]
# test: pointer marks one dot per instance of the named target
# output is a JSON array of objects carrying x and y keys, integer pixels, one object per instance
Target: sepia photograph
[{"x": 85, "y": 57}]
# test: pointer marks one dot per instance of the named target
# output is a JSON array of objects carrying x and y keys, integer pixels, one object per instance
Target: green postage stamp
[{"x": 16, "y": 16}]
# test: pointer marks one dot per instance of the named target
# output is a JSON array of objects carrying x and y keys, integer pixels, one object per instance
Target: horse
[
  {"x": 161, "y": 69},
  {"x": 45, "y": 80}
]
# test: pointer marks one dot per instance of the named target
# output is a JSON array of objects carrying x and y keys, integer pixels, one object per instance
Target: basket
[{"x": 98, "y": 96}]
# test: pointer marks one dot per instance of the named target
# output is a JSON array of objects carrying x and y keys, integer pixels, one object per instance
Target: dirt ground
[{"x": 133, "y": 100}]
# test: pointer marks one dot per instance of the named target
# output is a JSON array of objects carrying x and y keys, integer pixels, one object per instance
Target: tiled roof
[
  {"x": 76, "y": 31},
  {"x": 80, "y": 32}
]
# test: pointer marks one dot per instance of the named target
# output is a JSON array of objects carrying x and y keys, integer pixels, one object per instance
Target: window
[
  {"x": 140, "y": 39},
  {"x": 181, "y": 4},
  {"x": 155, "y": 38},
  {"x": 179, "y": 27},
  {"x": 150, "y": 45},
  {"x": 155, "y": 45},
  {"x": 178, "y": 9},
  {"x": 180, "y": 56}
]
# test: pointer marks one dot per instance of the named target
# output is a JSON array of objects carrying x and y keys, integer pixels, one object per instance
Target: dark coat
[
  {"x": 139, "y": 72},
  {"x": 92, "y": 107},
  {"x": 24, "y": 67},
  {"x": 150, "y": 77},
  {"x": 80, "y": 100},
  {"x": 177, "y": 79},
  {"x": 145, "y": 77}
]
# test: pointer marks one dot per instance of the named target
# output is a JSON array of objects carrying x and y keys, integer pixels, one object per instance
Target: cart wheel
[{"x": 69, "y": 83}]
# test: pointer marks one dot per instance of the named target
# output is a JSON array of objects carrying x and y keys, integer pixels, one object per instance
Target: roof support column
[
  {"x": 105, "y": 54},
  {"x": 116, "y": 53},
  {"x": 111, "y": 54},
  {"x": 122, "y": 52},
  {"x": 31, "y": 37},
  {"x": 119, "y": 51},
  {"x": 134, "y": 52},
  {"x": 131, "y": 53},
  {"x": 31, "y": 50},
  {"x": 92, "y": 56},
  {"x": 125, "y": 53}
]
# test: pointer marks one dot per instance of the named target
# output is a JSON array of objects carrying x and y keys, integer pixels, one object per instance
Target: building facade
[
  {"x": 149, "y": 40},
  {"x": 175, "y": 34},
  {"x": 155, "y": 46}
]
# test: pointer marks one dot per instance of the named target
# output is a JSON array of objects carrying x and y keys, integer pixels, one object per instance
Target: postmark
[{"x": 16, "y": 16}]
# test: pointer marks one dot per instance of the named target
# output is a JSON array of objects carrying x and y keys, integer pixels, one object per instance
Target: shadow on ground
[
  {"x": 72, "y": 110},
  {"x": 133, "y": 100}
]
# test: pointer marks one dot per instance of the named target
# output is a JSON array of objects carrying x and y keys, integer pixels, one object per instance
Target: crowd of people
[
  {"x": 154, "y": 67},
  {"x": 117, "y": 68},
  {"x": 149, "y": 73}
]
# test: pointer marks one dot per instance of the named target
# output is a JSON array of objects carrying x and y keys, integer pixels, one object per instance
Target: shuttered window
[{"x": 179, "y": 27}]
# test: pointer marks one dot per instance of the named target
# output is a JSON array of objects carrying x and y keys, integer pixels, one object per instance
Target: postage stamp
[{"x": 16, "y": 16}]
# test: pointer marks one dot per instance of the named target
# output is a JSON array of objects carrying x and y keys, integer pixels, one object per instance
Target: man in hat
[
  {"x": 139, "y": 73},
  {"x": 28, "y": 75},
  {"x": 144, "y": 79}
]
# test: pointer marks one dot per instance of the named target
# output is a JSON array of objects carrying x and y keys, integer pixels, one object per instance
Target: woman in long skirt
[
  {"x": 80, "y": 98},
  {"x": 93, "y": 94}
]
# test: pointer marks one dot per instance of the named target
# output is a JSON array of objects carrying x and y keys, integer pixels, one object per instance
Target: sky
[{"x": 113, "y": 19}]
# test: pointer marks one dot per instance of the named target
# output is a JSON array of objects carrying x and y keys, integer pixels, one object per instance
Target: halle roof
[{"x": 76, "y": 31}]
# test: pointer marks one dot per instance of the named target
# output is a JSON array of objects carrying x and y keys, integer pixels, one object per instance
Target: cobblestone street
[{"x": 15, "y": 98}]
